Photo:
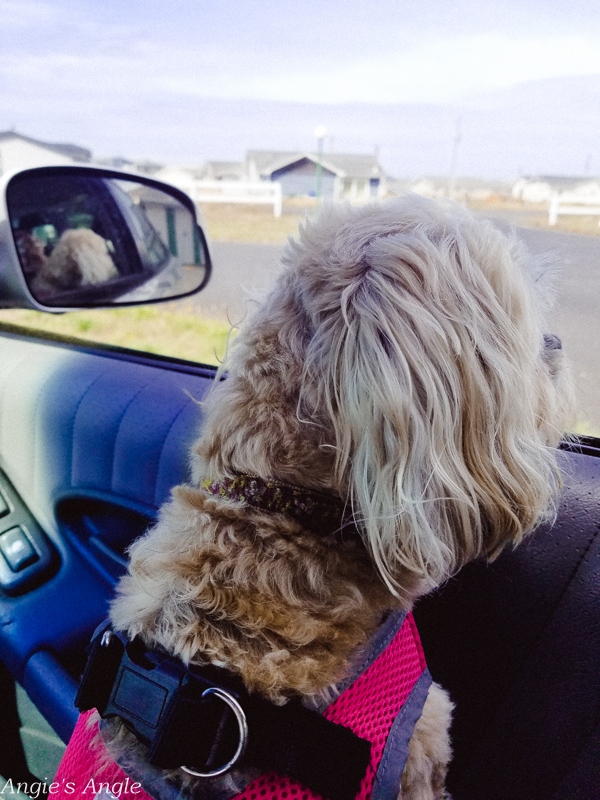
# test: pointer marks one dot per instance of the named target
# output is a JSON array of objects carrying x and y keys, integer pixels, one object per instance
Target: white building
[
  {"x": 21, "y": 152},
  {"x": 541, "y": 188}
]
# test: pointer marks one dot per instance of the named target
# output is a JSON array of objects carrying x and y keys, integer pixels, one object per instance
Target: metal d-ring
[{"x": 242, "y": 722}]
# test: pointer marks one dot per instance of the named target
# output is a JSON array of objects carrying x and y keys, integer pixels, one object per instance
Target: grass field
[
  {"x": 529, "y": 215},
  {"x": 257, "y": 224},
  {"x": 154, "y": 329}
]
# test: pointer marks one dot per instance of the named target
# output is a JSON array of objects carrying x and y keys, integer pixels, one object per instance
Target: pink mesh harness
[{"x": 381, "y": 705}]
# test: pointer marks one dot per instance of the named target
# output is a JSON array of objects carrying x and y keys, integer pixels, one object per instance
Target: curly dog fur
[
  {"x": 80, "y": 258},
  {"x": 399, "y": 365}
]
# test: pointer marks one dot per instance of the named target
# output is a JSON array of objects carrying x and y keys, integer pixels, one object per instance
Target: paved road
[
  {"x": 576, "y": 316},
  {"x": 245, "y": 269},
  {"x": 240, "y": 272}
]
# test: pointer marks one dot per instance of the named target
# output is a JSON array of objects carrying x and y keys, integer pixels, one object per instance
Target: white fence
[
  {"x": 570, "y": 203},
  {"x": 256, "y": 192}
]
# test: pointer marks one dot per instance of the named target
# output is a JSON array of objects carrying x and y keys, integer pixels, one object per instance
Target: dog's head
[{"x": 405, "y": 340}]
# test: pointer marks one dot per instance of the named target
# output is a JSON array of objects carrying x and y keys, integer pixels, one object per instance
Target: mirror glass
[{"x": 92, "y": 238}]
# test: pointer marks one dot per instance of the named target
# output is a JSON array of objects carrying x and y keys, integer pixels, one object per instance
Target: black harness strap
[{"x": 204, "y": 720}]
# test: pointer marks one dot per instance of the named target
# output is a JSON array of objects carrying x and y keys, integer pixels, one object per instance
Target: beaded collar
[{"x": 319, "y": 512}]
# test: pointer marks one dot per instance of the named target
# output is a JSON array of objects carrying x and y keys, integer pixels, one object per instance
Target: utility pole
[
  {"x": 320, "y": 132},
  {"x": 454, "y": 162}
]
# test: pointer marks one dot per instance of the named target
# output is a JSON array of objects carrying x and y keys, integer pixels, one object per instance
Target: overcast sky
[{"x": 162, "y": 78}]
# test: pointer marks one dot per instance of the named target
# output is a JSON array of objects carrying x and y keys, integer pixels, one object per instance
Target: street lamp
[{"x": 320, "y": 132}]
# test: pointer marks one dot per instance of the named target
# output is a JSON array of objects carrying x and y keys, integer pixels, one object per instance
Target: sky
[{"x": 509, "y": 86}]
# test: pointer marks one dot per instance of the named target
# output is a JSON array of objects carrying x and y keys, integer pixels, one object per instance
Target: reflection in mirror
[{"x": 85, "y": 239}]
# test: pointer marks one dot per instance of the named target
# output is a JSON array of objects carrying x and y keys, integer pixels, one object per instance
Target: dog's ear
[{"x": 436, "y": 390}]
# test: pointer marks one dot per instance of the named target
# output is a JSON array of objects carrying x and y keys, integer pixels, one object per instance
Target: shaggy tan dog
[
  {"x": 80, "y": 258},
  {"x": 398, "y": 366}
]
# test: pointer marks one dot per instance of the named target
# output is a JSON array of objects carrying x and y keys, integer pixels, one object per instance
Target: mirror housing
[{"x": 84, "y": 237}]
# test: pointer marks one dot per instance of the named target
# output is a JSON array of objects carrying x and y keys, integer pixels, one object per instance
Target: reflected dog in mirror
[{"x": 80, "y": 258}]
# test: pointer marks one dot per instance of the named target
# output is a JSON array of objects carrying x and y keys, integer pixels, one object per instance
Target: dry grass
[
  {"x": 252, "y": 223},
  {"x": 256, "y": 224},
  {"x": 152, "y": 329},
  {"x": 535, "y": 215},
  {"x": 499, "y": 202},
  {"x": 247, "y": 223},
  {"x": 582, "y": 226}
]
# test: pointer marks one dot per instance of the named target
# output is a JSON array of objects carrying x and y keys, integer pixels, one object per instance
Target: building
[
  {"x": 335, "y": 176},
  {"x": 463, "y": 189},
  {"x": 171, "y": 221},
  {"x": 541, "y": 188},
  {"x": 22, "y": 152},
  {"x": 223, "y": 171}
]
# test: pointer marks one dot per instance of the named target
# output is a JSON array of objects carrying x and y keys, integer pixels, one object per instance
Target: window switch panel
[{"x": 17, "y": 549}]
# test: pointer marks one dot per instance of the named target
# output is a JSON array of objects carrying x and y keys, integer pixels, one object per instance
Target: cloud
[
  {"x": 144, "y": 78},
  {"x": 439, "y": 70},
  {"x": 25, "y": 15},
  {"x": 427, "y": 53}
]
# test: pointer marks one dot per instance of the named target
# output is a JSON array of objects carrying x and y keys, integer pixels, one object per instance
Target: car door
[{"x": 91, "y": 442}]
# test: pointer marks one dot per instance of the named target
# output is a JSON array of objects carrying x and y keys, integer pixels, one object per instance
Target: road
[
  {"x": 240, "y": 272},
  {"x": 243, "y": 270},
  {"x": 576, "y": 314}
]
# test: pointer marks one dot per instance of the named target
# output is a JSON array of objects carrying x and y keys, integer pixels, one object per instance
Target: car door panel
[
  {"x": 71, "y": 419},
  {"x": 92, "y": 441}
]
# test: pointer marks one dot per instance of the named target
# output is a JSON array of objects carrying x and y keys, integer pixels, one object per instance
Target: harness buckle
[{"x": 190, "y": 715}]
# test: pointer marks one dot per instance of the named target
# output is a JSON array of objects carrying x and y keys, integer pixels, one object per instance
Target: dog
[
  {"x": 80, "y": 258},
  {"x": 398, "y": 373}
]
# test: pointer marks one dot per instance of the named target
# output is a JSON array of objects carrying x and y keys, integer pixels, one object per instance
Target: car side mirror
[{"x": 79, "y": 237}]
